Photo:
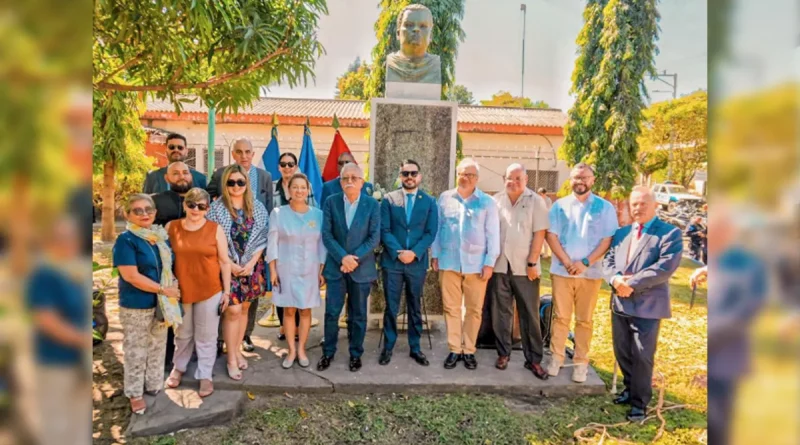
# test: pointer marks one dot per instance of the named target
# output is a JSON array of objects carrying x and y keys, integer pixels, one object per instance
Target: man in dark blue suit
[
  {"x": 351, "y": 232},
  {"x": 409, "y": 222},
  {"x": 334, "y": 186},
  {"x": 642, "y": 258}
]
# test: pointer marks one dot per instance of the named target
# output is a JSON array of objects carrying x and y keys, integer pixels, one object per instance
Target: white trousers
[{"x": 198, "y": 332}]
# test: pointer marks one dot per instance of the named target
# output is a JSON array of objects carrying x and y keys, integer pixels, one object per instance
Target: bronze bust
[{"x": 413, "y": 63}]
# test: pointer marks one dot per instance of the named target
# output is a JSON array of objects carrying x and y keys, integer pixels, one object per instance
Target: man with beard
[
  {"x": 409, "y": 221},
  {"x": 156, "y": 181},
  {"x": 581, "y": 227},
  {"x": 169, "y": 203}
]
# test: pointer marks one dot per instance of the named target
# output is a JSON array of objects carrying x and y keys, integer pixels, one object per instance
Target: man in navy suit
[
  {"x": 642, "y": 258},
  {"x": 334, "y": 186},
  {"x": 156, "y": 180},
  {"x": 350, "y": 232},
  {"x": 409, "y": 222}
]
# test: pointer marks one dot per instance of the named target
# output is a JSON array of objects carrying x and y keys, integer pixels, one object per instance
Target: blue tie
[{"x": 409, "y": 205}]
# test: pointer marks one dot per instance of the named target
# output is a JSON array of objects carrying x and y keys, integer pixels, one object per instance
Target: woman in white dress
[{"x": 296, "y": 256}]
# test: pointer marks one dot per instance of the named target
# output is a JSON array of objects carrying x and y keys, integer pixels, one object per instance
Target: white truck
[{"x": 668, "y": 195}]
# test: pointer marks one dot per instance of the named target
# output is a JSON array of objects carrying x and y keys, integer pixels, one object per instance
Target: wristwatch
[
  {"x": 531, "y": 264},
  {"x": 585, "y": 262}
]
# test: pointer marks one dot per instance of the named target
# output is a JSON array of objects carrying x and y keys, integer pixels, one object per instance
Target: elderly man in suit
[
  {"x": 409, "y": 222},
  {"x": 334, "y": 186},
  {"x": 642, "y": 258},
  {"x": 351, "y": 232},
  {"x": 261, "y": 183},
  {"x": 157, "y": 182}
]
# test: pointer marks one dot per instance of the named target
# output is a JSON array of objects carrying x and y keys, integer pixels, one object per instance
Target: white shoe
[
  {"x": 579, "y": 373},
  {"x": 552, "y": 366}
]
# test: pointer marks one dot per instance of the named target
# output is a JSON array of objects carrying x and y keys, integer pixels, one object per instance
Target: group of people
[{"x": 218, "y": 250}]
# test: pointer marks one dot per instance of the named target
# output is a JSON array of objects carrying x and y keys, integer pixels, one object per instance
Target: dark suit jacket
[
  {"x": 656, "y": 258},
  {"x": 360, "y": 240},
  {"x": 420, "y": 231},
  {"x": 263, "y": 191},
  {"x": 169, "y": 207},
  {"x": 155, "y": 182},
  {"x": 334, "y": 186}
]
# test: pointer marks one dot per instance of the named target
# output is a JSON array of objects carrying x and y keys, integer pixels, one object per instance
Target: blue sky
[{"x": 489, "y": 60}]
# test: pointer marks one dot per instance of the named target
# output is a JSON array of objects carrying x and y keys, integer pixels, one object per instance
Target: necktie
[
  {"x": 639, "y": 233},
  {"x": 409, "y": 205}
]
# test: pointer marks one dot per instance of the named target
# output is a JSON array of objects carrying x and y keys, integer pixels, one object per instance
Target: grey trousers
[{"x": 507, "y": 289}]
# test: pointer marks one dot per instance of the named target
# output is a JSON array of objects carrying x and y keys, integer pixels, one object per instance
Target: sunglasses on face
[
  {"x": 287, "y": 164},
  {"x": 200, "y": 206},
  {"x": 407, "y": 174},
  {"x": 141, "y": 211},
  {"x": 235, "y": 182},
  {"x": 175, "y": 147}
]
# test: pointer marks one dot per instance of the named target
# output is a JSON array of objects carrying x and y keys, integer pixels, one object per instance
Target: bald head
[
  {"x": 242, "y": 152},
  {"x": 352, "y": 180},
  {"x": 179, "y": 177},
  {"x": 643, "y": 204}
]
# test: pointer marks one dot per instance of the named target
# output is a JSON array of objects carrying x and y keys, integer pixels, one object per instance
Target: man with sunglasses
[
  {"x": 334, "y": 186},
  {"x": 156, "y": 181},
  {"x": 409, "y": 221}
]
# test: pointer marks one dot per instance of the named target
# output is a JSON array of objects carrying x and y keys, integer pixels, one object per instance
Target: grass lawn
[{"x": 481, "y": 419}]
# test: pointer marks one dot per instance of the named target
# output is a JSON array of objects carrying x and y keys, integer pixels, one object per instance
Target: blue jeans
[
  {"x": 357, "y": 294},
  {"x": 393, "y": 281}
]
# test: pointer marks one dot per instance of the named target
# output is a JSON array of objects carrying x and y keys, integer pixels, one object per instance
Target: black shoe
[
  {"x": 323, "y": 363},
  {"x": 451, "y": 360},
  {"x": 624, "y": 398},
  {"x": 220, "y": 348},
  {"x": 470, "y": 362},
  {"x": 419, "y": 358},
  {"x": 355, "y": 364},
  {"x": 636, "y": 414},
  {"x": 386, "y": 357},
  {"x": 96, "y": 341},
  {"x": 281, "y": 337},
  {"x": 247, "y": 344}
]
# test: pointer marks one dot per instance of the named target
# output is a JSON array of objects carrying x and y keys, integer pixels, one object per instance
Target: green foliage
[
  {"x": 118, "y": 133},
  {"x": 616, "y": 49},
  {"x": 681, "y": 123},
  {"x": 350, "y": 85},
  {"x": 126, "y": 185},
  {"x": 565, "y": 189},
  {"x": 222, "y": 50},
  {"x": 460, "y": 94},
  {"x": 447, "y": 34},
  {"x": 505, "y": 99}
]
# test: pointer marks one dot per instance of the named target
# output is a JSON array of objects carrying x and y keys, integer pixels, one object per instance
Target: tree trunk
[
  {"x": 109, "y": 205},
  {"x": 20, "y": 227}
]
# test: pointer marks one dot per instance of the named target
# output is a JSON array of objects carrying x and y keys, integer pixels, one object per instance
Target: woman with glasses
[
  {"x": 296, "y": 256},
  {"x": 204, "y": 273},
  {"x": 144, "y": 259},
  {"x": 244, "y": 222}
]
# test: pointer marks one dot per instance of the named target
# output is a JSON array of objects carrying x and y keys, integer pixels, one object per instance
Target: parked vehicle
[{"x": 669, "y": 195}]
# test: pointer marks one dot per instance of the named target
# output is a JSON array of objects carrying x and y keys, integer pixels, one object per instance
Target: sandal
[
  {"x": 174, "y": 379},
  {"x": 206, "y": 388},
  {"x": 138, "y": 405},
  {"x": 234, "y": 372},
  {"x": 242, "y": 362}
]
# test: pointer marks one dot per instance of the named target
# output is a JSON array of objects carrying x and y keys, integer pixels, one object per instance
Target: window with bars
[
  {"x": 219, "y": 157},
  {"x": 191, "y": 157},
  {"x": 547, "y": 179}
]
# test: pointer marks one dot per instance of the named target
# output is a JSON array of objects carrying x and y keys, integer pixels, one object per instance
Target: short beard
[
  {"x": 583, "y": 193},
  {"x": 406, "y": 187},
  {"x": 177, "y": 188}
]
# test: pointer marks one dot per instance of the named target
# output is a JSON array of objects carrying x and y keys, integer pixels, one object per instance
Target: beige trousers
[
  {"x": 64, "y": 405},
  {"x": 470, "y": 290},
  {"x": 144, "y": 346},
  {"x": 578, "y": 295},
  {"x": 198, "y": 332}
]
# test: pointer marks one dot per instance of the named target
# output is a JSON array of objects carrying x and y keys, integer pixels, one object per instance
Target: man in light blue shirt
[
  {"x": 581, "y": 227},
  {"x": 465, "y": 250}
]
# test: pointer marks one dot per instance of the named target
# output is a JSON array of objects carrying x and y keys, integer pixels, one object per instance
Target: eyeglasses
[
  {"x": 200, "y": 206},
  {"x": 468, "y": 175},
  {"x": 287, "y": 164},
  {"x": 175, "y": 147},
  {"x": 580, "y": 178},
  {"x": 407, "y": 174},
  {"x": 141, "y": 211},
  {"x": 350, "y": 178},
  {"x": 239, "y": 182},
  {"x": 341, "y": 163}
]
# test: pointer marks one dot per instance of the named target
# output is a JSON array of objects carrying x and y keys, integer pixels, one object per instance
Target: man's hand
[
  {"x": 533, "y": 273},
  {"x": 435, "y": 264},
  {"x": 350, "y": 262},
  {"x": 577, "y": 268},
  {"x": 621, "y": 287},
  {"x": 406, "y": 256},
  {"x": 486, "y": 273},
  {"x": 699, "y": 276}
]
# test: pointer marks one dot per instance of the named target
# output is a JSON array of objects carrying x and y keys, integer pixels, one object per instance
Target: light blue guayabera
[
  {"x": 469, "y": 232},
  {"x": 580, "y": 228}
]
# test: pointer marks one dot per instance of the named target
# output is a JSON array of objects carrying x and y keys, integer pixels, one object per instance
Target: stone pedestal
[{"x": 422, "y": 130}]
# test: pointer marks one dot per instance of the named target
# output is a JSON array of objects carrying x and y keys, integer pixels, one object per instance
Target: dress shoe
[
  {"x": 247, "y": 344},
  {"x": 624, "y": 398},
  {"x": 220, "y": 348},
  {"x": 636, "y": 414},
  {"x": 323, "y": 363},
  {"x": 502, "y": 362},
  {"x": 386, "y": 357},
  {"x": 537, "y": 370},
  {"x": 420, "y": 358},
  {"x": 451, "y": 360},
  {"x": 470, "y": 362},
  {"x": 281, "y": 336},
  {"x": 355, "y": 364}
]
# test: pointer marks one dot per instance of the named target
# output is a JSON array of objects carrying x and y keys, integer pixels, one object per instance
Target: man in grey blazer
[
  {"x": 261, "y": 183},
  {"x": 642, "y": 258}
]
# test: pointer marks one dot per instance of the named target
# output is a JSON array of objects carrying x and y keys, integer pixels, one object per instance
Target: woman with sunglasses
[
  {"x": 144, "y": 259},
  {"x": 244, "y": 222},
  {"x": 296, "y": 256},
  {"x": 204, "y": 273}
]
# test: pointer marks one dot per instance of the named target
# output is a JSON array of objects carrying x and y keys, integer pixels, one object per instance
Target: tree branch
[{"x": 124, "y": 66}]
